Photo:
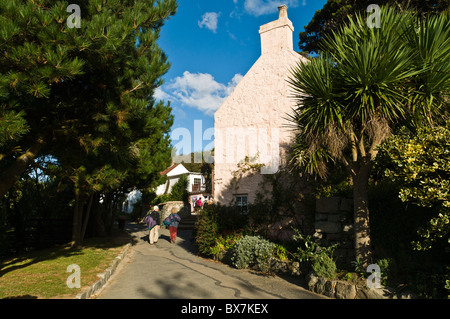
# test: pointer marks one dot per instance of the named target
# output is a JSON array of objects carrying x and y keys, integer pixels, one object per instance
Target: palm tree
[{"x": 368, "y": 82}]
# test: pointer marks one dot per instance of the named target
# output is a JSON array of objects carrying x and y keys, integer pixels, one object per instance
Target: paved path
[{"x": 173, "y": 271}]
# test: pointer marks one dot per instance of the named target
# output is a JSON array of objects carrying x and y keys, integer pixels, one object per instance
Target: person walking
[
  {"x": 173, "y": 220},
  {"x": 153, "y": 222},
  {"x": 199, "y": 203}
]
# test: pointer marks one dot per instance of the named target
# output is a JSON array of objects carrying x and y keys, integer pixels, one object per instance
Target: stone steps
[{"x": 188, "y": 222}]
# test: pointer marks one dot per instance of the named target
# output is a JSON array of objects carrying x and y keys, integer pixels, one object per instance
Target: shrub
[
  {"x": 324, "y": 266},
  {"x": 224, "y": 243},
  {"x": 420, "y": 164},
  {"x": 281, "y": 252},
  {"x": 206, "y": 231},
  {"x": 252, "y": 252},
  {"x": 320, "y": 258},
  {"x": 230, "y": 218},
  {"x": 161, "y": 199},
  {"x": 180, "y": 191}
]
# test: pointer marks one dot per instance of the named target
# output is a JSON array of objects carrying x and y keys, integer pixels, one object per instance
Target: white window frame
[{"x": 238, "y": 202}]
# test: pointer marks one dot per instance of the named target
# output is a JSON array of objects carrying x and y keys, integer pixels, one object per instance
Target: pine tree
[{"x": 83, "y": 94}]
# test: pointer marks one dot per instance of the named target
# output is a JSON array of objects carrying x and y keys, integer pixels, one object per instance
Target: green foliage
[
  {"x": 161, "y": 199},
  {"x": 85, "y": 89},
  {"x": 281, "y": 252},
  {"x": 367, "y": 83},
  {"x": 252, "y": 252},
  {"x": 368, "y": 80},
  {"x": 224, "y": 243},
  {"x": 83, "y": 97},
  {"x": 335, "y": 13},
  {"x": 421, "y": 165},
  {"x": 309, "y": 250},
  {"x": 325, "y": 267},
  {"x": 320, "y": 258},
  {"x": 367, "y": 106},
  {"x": 206, "y": 231},
  {"x": 230, "y": 218},
  {"x": 447, "y": 282},
  {"x": 387, "y": 267},
  {"x": 180, "y": 191},
  {"x": 218, "y": 228},
  {"x": 358, "y": 266},
  {"x": 394, "y": 226},
  {"x": 12, "y": 126}
]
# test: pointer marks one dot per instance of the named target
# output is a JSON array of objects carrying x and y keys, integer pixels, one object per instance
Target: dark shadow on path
[{"x": 175, "y": 288}]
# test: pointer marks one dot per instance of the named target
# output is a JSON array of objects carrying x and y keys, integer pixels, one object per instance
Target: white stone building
[
  {"x": 252, "y": 122},
  {"x": 197, "y": 182}
]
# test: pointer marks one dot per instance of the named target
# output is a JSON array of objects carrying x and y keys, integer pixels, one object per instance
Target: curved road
[{"x": 173, "y": 271}]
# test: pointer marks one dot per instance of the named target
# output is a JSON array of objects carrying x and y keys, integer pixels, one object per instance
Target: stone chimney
[{"x": 277, "y": 35}]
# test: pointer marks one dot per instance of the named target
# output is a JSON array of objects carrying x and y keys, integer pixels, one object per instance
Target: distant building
[
  {"x": 196, "y": 186},
  {"x": 132, "y": 198},
  {"x": 197, "y": 182},
  {"x": 252, "y": 122}
]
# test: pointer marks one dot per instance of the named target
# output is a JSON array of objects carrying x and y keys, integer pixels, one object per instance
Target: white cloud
[
  {"x": 262, "y": 7},
  {"x": 210, "y": 21},
  {"x": 159, "y": 94},
  {"x": 199, "y": 90}
]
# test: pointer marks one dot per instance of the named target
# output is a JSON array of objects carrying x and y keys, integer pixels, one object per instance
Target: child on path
[{"x": 173, "y": 221}]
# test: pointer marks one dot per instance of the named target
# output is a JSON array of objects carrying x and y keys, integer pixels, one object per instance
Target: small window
[
  {"x": 197, "y": 181},
  {"x": 241, "y": 201}
]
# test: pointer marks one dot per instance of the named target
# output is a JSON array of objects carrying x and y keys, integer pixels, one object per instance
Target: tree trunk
[
  {"x": 86, "y": 218},
  {"x": 77, "y": 239},
  {"x": 99, "y": 228},
  {"x": 363, "y": 249},
  {"x": 75, "y": 222},
  {"x": 12, "y": 173}
]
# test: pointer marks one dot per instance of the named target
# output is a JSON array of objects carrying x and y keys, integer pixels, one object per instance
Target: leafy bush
[
  {"x": 252, "y": 252},
  {"x": 161, "y": 199},
  {"x": 206, "y": 231},
  {"x": 224, "y": 243},
  {"x": 386, "y": 267},
  {"x": 324, "y": 266},
  {"x": 218, "y": 228},
  {"x": 281, "y": 252},
  {"x": 421, "y": 164},
  {"x": 230, "y": 218},
  {"x": 320, "y": 258},
  {"x": 180, "y": 191}
]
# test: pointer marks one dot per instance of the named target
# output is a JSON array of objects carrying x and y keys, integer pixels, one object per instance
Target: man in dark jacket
[{"x": 154, "y": 223}]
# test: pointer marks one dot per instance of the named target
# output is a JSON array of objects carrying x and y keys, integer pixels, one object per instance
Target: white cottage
[
  {"x": 252, "y": 121},
  {"x": 197, "y": 182}
]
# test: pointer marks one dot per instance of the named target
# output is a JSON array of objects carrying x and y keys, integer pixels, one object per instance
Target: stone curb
[{"x": 104, "y": 277}]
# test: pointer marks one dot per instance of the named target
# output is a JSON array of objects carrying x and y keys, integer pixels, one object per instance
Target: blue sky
[{"x": 211, "y": 45}]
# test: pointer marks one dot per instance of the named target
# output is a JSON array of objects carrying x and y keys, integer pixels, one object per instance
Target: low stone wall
[
  {"x": 334, "y": 225},
  {"x": 339, "y": 289},
  {"x": 285, "y": 267},
  {"x": 181, "y": 209}
]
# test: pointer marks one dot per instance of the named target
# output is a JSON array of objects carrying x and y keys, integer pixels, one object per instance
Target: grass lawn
[{"x": 43, "y": 274}]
